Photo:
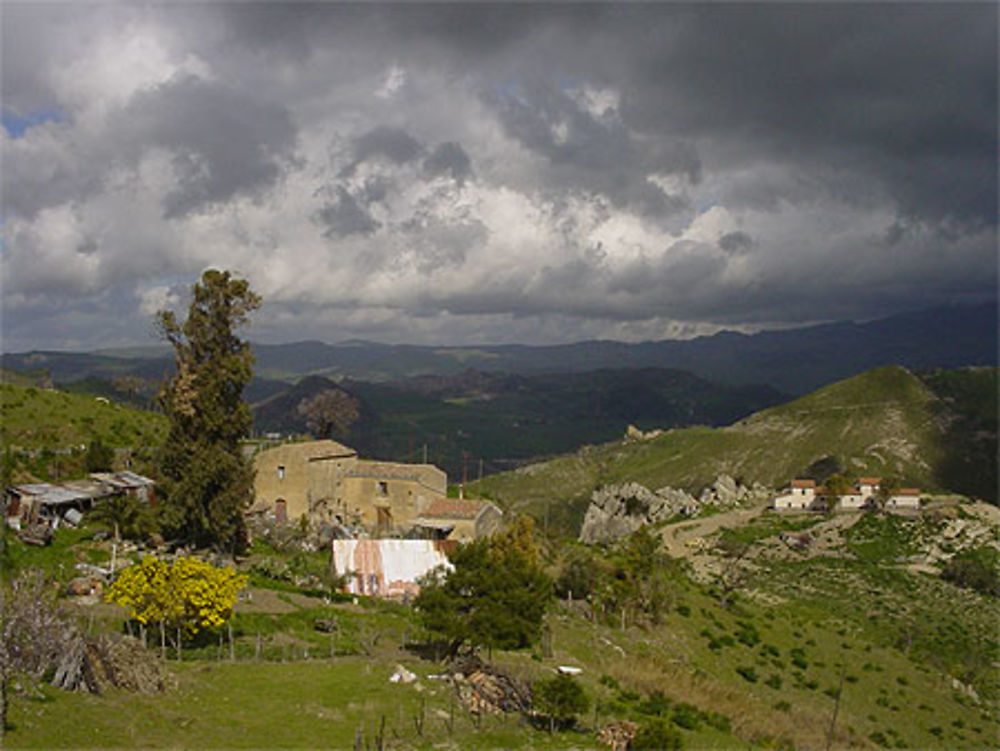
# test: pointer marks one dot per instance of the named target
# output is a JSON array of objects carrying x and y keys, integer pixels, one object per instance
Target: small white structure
[
  {"x": 851, "y": 501},
  {"x": 388, "y": 568},
  {"x": 904, "y": 498},
  {"x": 800, "y": 495}
]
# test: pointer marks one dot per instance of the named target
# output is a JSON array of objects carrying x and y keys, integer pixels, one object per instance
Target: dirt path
[{"x": 679, "y": 538}]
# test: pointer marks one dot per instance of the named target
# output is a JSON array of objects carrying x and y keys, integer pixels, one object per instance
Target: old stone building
[{"x": 328, "y": 482}]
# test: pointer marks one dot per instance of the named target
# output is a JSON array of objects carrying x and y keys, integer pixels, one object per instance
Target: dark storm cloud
[
  {"x": 904, "y": 93},
  {"x": 736, "y": 242},
  {"x": 707, "y": 163},
  {"x": 584, "y": 152},
  {"x": 345, "y": 216},
  {"x": 224, "y": 143},
  {"x": 449, "y": 159}
]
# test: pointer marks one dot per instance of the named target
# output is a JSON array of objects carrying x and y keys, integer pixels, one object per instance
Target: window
[
  {"x": 281, "y": 471},
  {"x": 383, "y": 487}
]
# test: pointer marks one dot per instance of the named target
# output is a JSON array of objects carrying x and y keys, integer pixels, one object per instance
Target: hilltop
[{"x": 933, "y": 432}]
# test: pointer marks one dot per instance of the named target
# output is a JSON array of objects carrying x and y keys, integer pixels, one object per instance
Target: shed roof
[
  {"x": 869, "y": 480},
  {"x": 124, "y": 479},
  {"x": 803, "y": 483},
  {"x": 51, "y": 495}
]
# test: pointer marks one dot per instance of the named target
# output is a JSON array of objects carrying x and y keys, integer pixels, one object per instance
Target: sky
[{"x": 475, "y": 173}]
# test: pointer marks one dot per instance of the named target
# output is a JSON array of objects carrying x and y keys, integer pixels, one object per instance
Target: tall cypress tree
[{"x": 207, "y": 481}]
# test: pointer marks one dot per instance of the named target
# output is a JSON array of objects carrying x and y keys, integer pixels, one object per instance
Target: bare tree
[
  {"x": 33, "y": 633},
  {"x": 329, "y": 412}
]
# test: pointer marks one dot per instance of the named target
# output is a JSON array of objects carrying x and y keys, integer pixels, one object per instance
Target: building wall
[
  {"x": 400, "y": 499},
  {"x": 288, "y": 472},
  {"x": 327, "y": 481},
  {"x": 489, "y": 521}
]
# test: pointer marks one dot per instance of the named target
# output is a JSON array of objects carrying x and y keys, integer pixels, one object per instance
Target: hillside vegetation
[
  {"x": 885, "y": 422},
  {"x": 37, "y": 419},
  {"x": 505, "y": 419},
  {"x": 47, "y": 431}
]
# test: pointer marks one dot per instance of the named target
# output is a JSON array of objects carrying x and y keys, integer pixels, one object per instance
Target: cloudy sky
[{"x": 475, "y": 173}]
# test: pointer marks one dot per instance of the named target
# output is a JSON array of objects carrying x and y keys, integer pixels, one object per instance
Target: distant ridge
[
  {"x": 938, "y": 432},
  {"x": 794, "y": 361}
]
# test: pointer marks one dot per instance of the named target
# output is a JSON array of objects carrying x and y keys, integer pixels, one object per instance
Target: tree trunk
[
  {"x": 178, "y": 643},
  {"x": 163, "y": 641},
  {"x": 232, "y": 650},
  {"x": 114, "y": 550},
  {"x": 3, "y": 703}
]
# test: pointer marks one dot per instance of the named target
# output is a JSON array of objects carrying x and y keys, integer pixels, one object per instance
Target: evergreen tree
[
  {"x": 99, "y": 456},
  {"x": 561, "y": 699},
  {"x": 208, "y": 482},
  {"x": 496, "y": 595}
]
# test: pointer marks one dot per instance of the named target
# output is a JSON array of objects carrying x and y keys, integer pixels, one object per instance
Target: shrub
[
  {"x": 748, "y": 673},
  {"x": 783, "y": 706},
  {"x": 747, "y": 633},
  {"x": 656, "y": 735},
  {"x": 607, "y": 680},
  {"x": 774, "y": 681},
  {"x": 878, "y": 737},
  {"x": 977, "y": 569},
  {"x": 560, "y": 698},
  {"x": 686, "y": 716},
  {"x": 656, "y": 705}
]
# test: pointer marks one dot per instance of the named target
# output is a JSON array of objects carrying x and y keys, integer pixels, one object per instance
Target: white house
[
  {"x": 904, "y": 498},
  {"x": 799, "y": 495}
]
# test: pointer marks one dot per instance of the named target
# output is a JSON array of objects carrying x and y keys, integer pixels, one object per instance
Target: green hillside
[
  {"x": 46, "y": 430},
  {"x": 884, "y": 422}
]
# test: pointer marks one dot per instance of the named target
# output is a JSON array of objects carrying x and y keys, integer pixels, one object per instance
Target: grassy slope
[
  {"x": 883, "y": 422},
  {"x": 896, "y": 637},
  {"x": 36, "y": 418}
]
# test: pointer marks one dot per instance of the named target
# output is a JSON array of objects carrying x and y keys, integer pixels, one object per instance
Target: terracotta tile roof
[
  {"x": 453, "y": 508},
  {"x": 869, "y": 480},
  {"x": 907, "y": 491},
  {"x": 803, "y": 483}
]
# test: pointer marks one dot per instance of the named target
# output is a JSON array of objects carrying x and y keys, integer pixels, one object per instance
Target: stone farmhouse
[
  {"x": 805, "y": 495},
  {"x": 327, "y": 482}
]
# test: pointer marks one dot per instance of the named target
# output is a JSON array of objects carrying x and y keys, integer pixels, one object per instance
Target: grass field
[{"x": 912, "y": 658}]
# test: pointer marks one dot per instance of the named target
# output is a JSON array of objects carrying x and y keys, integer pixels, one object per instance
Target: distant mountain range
[{"x": 793, "y": 361}]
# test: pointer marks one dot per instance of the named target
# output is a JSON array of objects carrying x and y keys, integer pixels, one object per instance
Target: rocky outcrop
[
  {"x": 726, "y": 490},
  {"x": 616, "y": 511}
]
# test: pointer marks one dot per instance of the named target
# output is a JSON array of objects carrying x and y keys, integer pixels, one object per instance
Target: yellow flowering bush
[{"x": 189, "y": 593}]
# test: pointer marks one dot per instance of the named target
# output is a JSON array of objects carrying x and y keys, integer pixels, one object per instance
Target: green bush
[
  {"x": 977, "y": 569},
  {"x": 686, "y": 716},
  {"x": 748, "y": 673},
  {"x": 561, "y": 699},
  {"x": 656, "y": 705},
  {"x": 656, "y": 735}
]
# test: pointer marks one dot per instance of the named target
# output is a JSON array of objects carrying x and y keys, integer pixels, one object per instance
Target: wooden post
[{"x": 232, "y": 650}]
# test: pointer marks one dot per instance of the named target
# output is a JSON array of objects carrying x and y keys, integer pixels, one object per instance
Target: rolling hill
[
  {"x": 934, "y": 432},
  {"x": 507, "y": 419}
]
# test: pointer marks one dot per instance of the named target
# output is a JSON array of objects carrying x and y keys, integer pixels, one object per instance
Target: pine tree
[{"x": 207, "y": 481}]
